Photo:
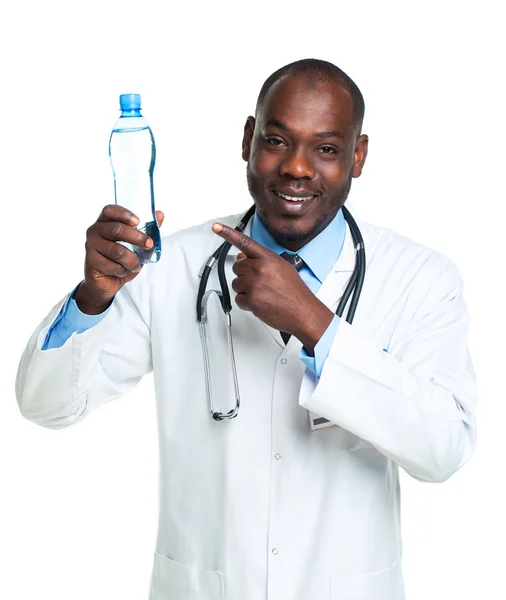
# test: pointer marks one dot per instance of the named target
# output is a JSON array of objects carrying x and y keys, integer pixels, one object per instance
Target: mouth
[
  {"x": 294, "y": 196},
  {"x": 294, "y": 201}
]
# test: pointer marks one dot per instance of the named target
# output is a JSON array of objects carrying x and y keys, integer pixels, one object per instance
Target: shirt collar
[{"x": 320, "y": 254}]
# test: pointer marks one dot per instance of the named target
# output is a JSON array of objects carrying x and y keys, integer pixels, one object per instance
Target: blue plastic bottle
[{"x": 132, "y": 153}]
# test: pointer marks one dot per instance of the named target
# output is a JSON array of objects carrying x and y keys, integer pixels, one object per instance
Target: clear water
[{"x": 132, "y": 152}]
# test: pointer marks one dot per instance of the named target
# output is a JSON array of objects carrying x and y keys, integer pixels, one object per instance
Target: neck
[{"x": 295, "y": 241}]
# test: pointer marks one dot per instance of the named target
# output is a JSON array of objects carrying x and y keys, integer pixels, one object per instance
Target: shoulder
[{"x": 389, "y": 250}]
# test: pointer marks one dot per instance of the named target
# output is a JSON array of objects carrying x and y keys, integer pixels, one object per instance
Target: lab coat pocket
[
  {"x": 171, "y": 580},
  {"x": 386, "y": 585}
]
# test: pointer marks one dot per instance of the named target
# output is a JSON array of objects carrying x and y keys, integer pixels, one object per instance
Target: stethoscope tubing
[
  {"x": 357, "y": 279},
  {"x": 354, "y": 284},
  {"x": 353, "y": 289},
  {"x": 220, "y": 255}
]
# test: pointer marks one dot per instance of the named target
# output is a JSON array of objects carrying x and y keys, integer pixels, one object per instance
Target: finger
[
  {"x": 248, "y": 246},
  {"x": 242, "y": 301},
  {"x": 244, "y": 266},
  {"x": 115, "y": 212},
  {"x": 160, "y": 217},
  {"x": 116, "y": 253},
  {"x": 239, "y": 285},
  {"x": 104, "y": 266},
  {"x": 115, "y": 231}
]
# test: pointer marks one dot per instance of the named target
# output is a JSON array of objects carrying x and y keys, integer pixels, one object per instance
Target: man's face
[{"x": 303, "y": 145}]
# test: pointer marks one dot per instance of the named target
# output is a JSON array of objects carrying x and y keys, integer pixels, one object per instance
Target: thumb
[{"x": 160, "y": 217}]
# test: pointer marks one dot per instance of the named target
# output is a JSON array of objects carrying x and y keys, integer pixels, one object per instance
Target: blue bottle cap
[{"x": 130, "y": 101}]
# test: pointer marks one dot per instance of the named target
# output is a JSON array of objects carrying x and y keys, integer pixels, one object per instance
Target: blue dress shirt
[{"x": 319, "y": 256}]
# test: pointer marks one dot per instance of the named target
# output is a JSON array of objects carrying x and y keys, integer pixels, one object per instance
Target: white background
[{"x": 78, "y": 506}]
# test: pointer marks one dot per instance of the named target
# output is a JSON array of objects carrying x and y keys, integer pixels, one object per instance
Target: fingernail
[
  {"x": 134, "y": 220},
  {"x": 217, "y": 227},
  {"x": 149, "y": 243}
]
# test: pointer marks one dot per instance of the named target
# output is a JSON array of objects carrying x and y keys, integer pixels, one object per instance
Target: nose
[{"x": 297, "y": 164}]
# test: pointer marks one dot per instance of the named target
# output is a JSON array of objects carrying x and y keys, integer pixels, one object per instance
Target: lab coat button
[
  {"x": 275, "y": 550},
  {"x": 283, "y": 361},
  {"x": 277, "y": 456}
]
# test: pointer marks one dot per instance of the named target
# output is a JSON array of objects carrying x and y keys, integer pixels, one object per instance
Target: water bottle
[{"x": 132, "y": 153}]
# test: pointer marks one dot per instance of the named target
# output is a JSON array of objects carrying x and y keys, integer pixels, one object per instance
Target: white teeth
[{"x": 292, "y": 198}]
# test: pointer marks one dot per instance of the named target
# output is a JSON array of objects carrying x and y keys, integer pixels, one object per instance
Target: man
[{"x": 297, "y": 498}]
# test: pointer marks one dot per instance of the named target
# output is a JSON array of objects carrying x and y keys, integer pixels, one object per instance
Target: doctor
[{"x": 265, "y": 506}]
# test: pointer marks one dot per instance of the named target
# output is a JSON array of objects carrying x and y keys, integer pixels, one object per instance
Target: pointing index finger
[{"x": 245, "y": 244}]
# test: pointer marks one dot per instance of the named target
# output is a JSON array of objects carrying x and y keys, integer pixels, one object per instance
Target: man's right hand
[{"x": 108, "y": 265}]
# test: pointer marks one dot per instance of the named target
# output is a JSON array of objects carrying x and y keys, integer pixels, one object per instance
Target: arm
[
  {"x": 70, "y": 320},
  {"x": 414, "y": 404},
  {"x": 60, "y": 386}
]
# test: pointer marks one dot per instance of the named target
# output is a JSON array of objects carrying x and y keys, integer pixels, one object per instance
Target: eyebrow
[
  {"x": 278, "y": 124},
  {"x": 321, "y": 134},
  {"x": 327, "y": 134}
]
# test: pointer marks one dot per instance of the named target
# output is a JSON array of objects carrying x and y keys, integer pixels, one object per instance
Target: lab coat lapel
[{"x": 331, "y": 290}]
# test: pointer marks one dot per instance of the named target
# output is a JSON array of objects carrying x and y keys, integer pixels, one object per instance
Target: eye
[
  {"x": 327, "y": 150},
  {"x": 276, "y": 142}
]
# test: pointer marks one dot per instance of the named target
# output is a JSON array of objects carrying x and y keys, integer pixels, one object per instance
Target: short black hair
[{"x": 318, "y": 70}]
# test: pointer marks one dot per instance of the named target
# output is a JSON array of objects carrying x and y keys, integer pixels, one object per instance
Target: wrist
[
  {"x": 316, "y": 319},
  {"x": 87, "y": 302}
]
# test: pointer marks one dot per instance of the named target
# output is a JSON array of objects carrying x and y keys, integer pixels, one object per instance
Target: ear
[
  {"x": 249, "y": 129},
  {"x": 360, "y": 155}
]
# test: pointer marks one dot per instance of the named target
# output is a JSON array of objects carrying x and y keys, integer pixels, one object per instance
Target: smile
[{"x": 293, "y": 198}]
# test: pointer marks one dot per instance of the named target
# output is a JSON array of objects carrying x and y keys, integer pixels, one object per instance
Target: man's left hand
[{"x": 271, "y": 288}]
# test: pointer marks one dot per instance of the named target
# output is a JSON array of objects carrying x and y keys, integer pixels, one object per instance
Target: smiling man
[
  {"x": 304, "y": 147},
  {"x": 291, "y": 493}
]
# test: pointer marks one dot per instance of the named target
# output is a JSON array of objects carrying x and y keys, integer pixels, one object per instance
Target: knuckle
[
  {"x": 133, "y": 263},
  {"x": 244, "y": 243},
  {"x": 108, "y": 210},
  {"x": 117, "y": 229},
  {"x": 118, "y": 252}
]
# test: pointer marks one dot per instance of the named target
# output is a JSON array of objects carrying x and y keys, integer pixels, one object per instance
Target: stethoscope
[{"x": 354, "y": 287}]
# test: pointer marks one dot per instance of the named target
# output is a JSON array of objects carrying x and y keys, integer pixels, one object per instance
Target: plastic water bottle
[{"x": 132, "y": 153}]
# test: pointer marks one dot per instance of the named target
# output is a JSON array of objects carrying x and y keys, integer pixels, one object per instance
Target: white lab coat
[{"x": 262, "y": 507}]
